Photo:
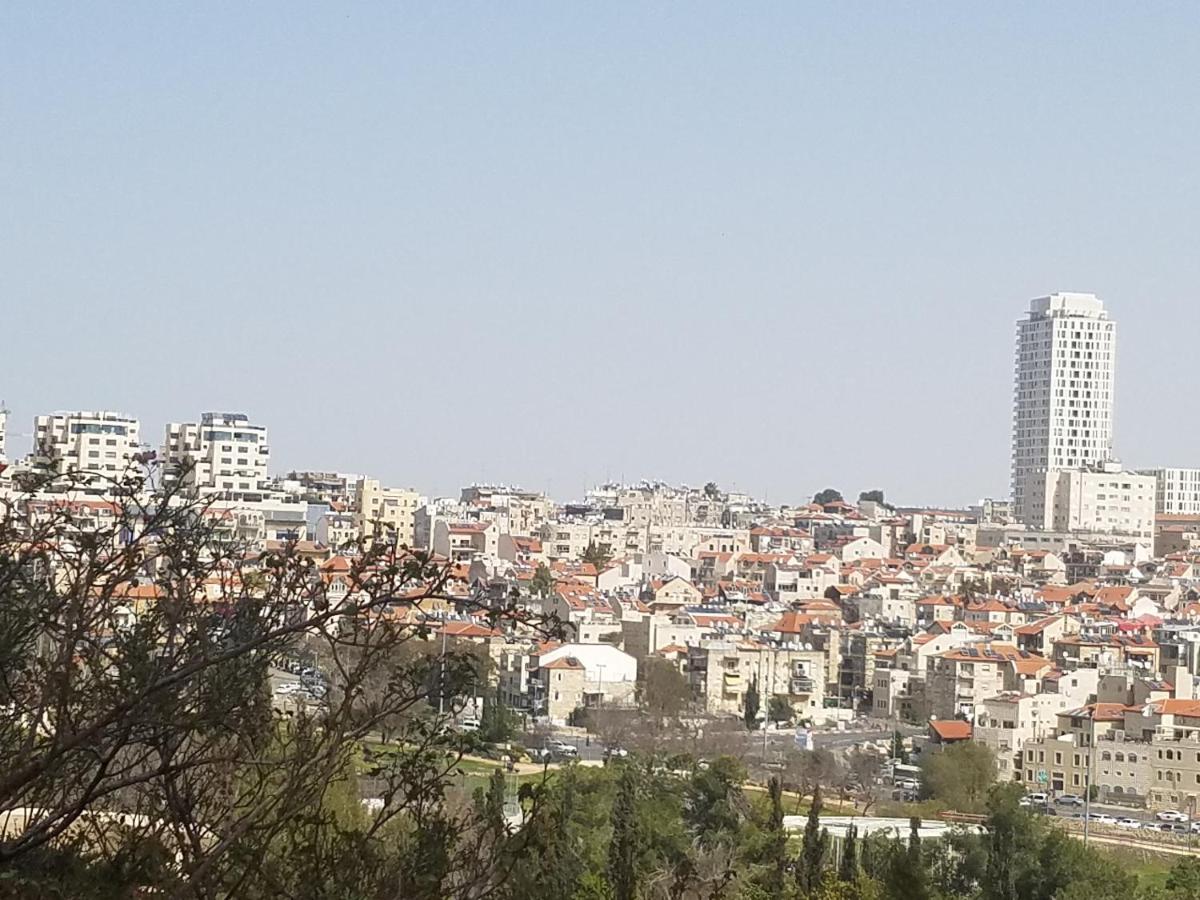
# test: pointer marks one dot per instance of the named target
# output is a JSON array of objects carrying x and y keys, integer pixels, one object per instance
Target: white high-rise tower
[{"x": 1063, "y": 399}]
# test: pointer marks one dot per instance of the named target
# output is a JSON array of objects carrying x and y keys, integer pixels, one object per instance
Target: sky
[{"x": 776, "y": 246}]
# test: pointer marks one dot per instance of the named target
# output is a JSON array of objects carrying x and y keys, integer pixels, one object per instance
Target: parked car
[
  {"x": 468, "y": 725},
  {"x": 1069, "y": 800},
  {"x": 907, "y": 784},
  {"x": 1037, "y": 799},
  {"x": 1102, "y": 819},
  {"x": 1170, "y": 815},
  {"x": 1131, "y": 824}
]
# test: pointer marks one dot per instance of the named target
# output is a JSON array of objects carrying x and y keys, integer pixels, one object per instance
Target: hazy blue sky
[{"x": 778, "y": 246}]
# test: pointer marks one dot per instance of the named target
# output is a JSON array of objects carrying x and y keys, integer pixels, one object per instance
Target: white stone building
[
  {"x": 93, "y": 442},
  {"x": 224, "y": 453},
  {"x": 1103, "y": 499}
]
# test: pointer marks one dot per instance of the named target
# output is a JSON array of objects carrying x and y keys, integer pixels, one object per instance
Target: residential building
[
  {"x": 1177, "y": 491},
  {"x": 1101, "y": 499},
  {"x": 98, "y": 443},
  {"x": 224, "y": 454},
  {"x": 721, "y": 672},
  {"x": 571, "y": 676},
  {"x": 1063, "y": 396},
  {"x": 384, "y": 510}
]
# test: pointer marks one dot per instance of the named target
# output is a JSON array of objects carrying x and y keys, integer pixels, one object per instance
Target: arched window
[
  {"x": 1106, "y": 755},
  {"x": 1120, "y": 757}
]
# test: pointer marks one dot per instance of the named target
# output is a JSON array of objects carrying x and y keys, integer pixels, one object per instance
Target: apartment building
[
  {"x": 224, "y": 454},
  {"x": 3, "y": 434},
  {"x": 387, "y": 511},
  {"x": 1101, "y": 499},
  {"x": 1177, "y": 491},
  {"x": 465, "y": 541},
  {"x": 959, "y": 680},
  {"x": 99, "y": 443},
  {"x": 1062, "y": 398},
  {"x": 1006, "y": 723},
  {"x": 722, "y": 671}
]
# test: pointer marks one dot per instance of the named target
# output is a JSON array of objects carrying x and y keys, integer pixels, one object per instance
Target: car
[
  {"x": 615, "y": 752},
  {"x": 1126, "y": 822},
  {"x": 1069, "y": 800},
  {"x": 1102, "y": 819},
  {"x": 1037, "y": 797},
  {"x": 907, "y": 784},
  {"x": 468, "y": 725},
  {"x": 1170, "y": 815}
]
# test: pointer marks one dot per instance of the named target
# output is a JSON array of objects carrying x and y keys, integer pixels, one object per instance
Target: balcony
[{"x": 801, "y": 686}]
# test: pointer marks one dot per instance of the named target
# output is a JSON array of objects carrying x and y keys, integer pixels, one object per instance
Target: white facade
[
  {"x": 1104, "y": 500},
  {"x": 1177, "y": 492},
  {"x": 228, "y": 454},
  {"x": 1063, "y": 395},
  {"x": 91, "y": 442}
]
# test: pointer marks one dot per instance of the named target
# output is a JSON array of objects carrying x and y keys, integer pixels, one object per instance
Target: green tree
[
  {"x": 543, "y": 581},
  {"x": 813, "y": 848},
  {"x": 1183, "y": 881},
  {"x": 848, "y": 870},
  {"x": 497, "y": 724},
  {"x": 713, "y": 801},
  {"x": 960, "y": 774},
  {"x": 665, "y": 690},
  {"x": 750, "y": 704},
  {"x": 597, "y": 554},
  {"x": 875, "y": 496},
  {"x": 827, "y": 496},
  {"x": 779, "y": 709},
  {"x": 907, "y": 876},
  {"x": 777, "y": 841},
  {"x": 623, "y": 847},
  {"x": 711, "y": 491}
]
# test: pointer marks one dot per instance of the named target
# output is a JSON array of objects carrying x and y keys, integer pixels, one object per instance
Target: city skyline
[{"x": 782, "y": 251}]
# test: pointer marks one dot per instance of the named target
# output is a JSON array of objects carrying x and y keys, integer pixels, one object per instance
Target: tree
[
  {"x": 598, "y": 555},
  {"x": 1183, "y": 881},
  {"x": 848, "y": 870},
  {"x": 814, "y": 847},
  {"x": 711, "y": 491},
  {"x": 827, "y": 496},
  {"x": 623, "y": 848},
  {"x": 497, "y": 724},
  {"x": 875, "y": 496},
  {"x": 665, "y": 690},
  {"x": 543, "y": 581},
  {"x": 750, "y": 704},
  {"x": 137, "y": 652},
  {"x": 960, "y": 774},
  {"x": 777, "y": 840},
  {"x": 907, "y": 877},
  {"x": 779, "y": 709}
]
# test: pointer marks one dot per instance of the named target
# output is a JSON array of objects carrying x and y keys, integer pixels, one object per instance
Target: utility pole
[
  {"x": 1087, "y": 777},
  {"x": 442, "y": 675}
]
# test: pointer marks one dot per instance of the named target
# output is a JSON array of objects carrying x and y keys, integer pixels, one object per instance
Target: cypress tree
[
  {"x": 813, "y": 848},
  {"x": 848, "y": 871},
  {"x": 623, "y": 849}
]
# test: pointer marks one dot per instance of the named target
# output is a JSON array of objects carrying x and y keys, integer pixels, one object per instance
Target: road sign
[{"x": 803, "y": 739}]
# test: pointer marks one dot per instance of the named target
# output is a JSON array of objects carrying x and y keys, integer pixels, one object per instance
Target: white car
[
  {"x": 907, "y": 784},
  {"x": 1035, "y": 800},
  {"x": 1131, "y": 824},
  {"x": 1102, "y": 819},
  {"x": 1170, "y": 815}
]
